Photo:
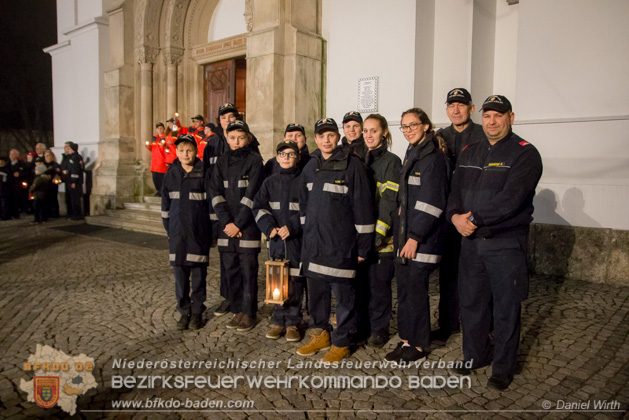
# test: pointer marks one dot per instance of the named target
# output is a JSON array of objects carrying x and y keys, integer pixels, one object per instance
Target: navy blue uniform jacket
[
  {"x": 336, "y": 207},
  {"x": 423, "y": 195},
  {"x": 456, "y": 141},
  {"x": 186, "y": 214},
  {"x": 497, "y": 184},
  {"x": 237, "y": 177},
  {"x": 277, "y": 205}
]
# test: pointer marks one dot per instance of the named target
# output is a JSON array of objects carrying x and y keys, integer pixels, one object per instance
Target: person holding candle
[
  {"x": 186, "y": 218},
  {"x": 54, "y": 170},
  {"x": 158, "y": 157},
  {"x": 234, "y": 183},
  {"x": 276, "y": 209}
]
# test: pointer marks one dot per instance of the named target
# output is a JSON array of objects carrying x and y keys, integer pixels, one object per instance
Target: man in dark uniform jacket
[
  {"x": 6, "y": 187},
  {"x": 19, "y": 196},
  {"x": 491, "y": 206},
  {"x": 353, "y": 130},
  {"x": 462, "y": 131},
  {"x": 72, "y": 167}
]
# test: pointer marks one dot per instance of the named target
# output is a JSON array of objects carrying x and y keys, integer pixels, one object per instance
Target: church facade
[{"x": 121, "y": 66}]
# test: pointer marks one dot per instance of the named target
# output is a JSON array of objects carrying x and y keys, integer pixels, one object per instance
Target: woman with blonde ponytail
[{"x": 423, "y": 191}]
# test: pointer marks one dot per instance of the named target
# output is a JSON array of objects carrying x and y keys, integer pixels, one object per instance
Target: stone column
[
  {"x": 114, "y": 173},
  {"x": 172, "y": 58},
  {"x": 146, "y": 57},
  {"x": 285, "y": 50}
]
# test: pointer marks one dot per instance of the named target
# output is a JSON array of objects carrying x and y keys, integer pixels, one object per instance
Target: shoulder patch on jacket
[{"x": 524, "y": 143}]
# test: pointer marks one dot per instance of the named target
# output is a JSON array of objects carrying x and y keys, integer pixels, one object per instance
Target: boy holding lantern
[
  {"x": 235, "y": 181},
  {"x": 276, "y": 209}
]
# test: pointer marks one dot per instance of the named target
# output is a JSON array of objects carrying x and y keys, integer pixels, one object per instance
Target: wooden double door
[{"x": 225, "y": 81}]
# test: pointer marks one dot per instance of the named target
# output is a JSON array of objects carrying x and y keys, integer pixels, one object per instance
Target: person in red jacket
[
  {"x": 172, "y": 131},
  {"x": 205, "y": 140},
  {"x": 196, "y": 130},
  {"x": 158, "y": 157}
]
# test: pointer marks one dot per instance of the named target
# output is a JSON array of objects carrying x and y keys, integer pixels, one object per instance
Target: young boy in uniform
[
  {"x": 186, "y": 218},
  {"x": 276, "y": 209},
  {"x": 237, "y": 177},
  {"x": 336, "y": 210}
]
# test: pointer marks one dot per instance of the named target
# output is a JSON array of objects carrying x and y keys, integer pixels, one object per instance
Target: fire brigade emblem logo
[
  {"x": 456, "y": 93},
  {"x": 46, "y": 390}
]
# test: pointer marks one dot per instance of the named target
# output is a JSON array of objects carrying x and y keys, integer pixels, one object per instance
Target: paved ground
[{"x": 109, "y": 294}]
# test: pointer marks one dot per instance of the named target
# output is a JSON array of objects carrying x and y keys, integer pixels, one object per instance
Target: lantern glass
[{"x": 276, "y": 281}]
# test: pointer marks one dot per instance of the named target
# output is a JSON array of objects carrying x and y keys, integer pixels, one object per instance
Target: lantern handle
[{"x": 269, "y": 250}]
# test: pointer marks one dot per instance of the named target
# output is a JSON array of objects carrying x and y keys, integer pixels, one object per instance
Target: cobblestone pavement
[{"x": 110, "y": 295}]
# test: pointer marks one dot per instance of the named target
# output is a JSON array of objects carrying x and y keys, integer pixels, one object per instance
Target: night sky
[{"x": 28, "y": 26}]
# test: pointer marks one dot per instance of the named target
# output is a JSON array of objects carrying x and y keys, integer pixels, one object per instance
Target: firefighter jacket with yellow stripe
[
  {"x": 424, "y": 186},
  {"x": 237, "y": 177},
  {"x": 186, "y": 214},
  {"x": 277, "y": 205},
  {"x": 385, "y": 169},
  {"x": 497, "y": 184},
  {"x": 336, "y": 210}
]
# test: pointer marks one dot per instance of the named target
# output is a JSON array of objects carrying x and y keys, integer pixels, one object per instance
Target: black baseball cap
[
  {"x": 186, "y": 138},
  {"x": 497, "y": 103},
  {"x": 326, "y": 124},
  {"x": 294, "y": 127},
  {"x": 225, "y": 108},
  {"x": 159, "y": 125},
  {"x": 238, "y": 125},
  {"x": 459, "y": 95},
  {"x": 287, "y": 144},
  {"x": 198, "y": 117},
  {"x": 172, "y": 120},
  {"x": 353, "y": 116}
]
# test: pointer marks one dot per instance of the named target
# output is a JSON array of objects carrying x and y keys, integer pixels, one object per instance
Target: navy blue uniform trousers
[
  {"x": 492, "y": 269},
  {"x": 241, "y": 272},
  {"x": 190, "y": 299},
  {"x": 319, "y": 306}
]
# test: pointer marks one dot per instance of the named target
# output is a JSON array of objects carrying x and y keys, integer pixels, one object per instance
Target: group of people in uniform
[
  {"x": 349, "y": 217},
  {"x": 32, "y": 186}
]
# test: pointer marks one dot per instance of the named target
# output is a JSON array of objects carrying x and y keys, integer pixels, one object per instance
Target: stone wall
[{"x": 591, "y": 254}]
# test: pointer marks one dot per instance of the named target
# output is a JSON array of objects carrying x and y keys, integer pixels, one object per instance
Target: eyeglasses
[
  {"x": 290, "y": 155},
  {"x": 411, "y": 127}
]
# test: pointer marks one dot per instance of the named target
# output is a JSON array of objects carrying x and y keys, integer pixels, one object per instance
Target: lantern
[{"x": 277, "y": 281}]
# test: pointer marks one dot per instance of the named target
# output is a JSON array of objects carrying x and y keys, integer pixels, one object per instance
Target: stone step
[
  {"x": 139, "y": 215},
  {"x": 149, "y": 199},
  {"x": 144, "y": 206},
  {"x": 128, "y": 222}
]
